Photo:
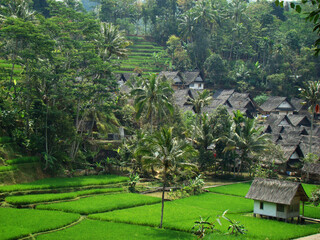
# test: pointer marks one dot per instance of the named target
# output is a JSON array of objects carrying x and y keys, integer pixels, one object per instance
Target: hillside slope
[{"x": 144, "y": 55}]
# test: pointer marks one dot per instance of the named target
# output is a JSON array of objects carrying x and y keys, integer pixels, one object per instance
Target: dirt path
[{"x": 311, "y": 237}]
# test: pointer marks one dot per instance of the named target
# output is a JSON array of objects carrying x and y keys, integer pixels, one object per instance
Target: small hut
[{"x": 275, "y": 198}]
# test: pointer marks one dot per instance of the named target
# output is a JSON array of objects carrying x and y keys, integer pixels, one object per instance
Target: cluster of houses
[{"x": 287, "y": 120}]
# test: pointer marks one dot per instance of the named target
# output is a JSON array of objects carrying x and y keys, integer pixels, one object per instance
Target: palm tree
[
  {"x": 114, "y": 41},
  {"x": 166, "y": 153},
  {"x": 248, "y": 140},
  {"x": 311, "y": 93},
  {"x": 204, "y": 139},
  {"x": 187, "y": 26},
  {"x": 153, "y": 97},
  {"x": 201, "y": 100},
  {"x": 17, "y": 9}
]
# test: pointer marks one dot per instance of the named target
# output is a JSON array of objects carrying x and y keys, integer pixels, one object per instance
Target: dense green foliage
[
  {"x": 90, "y": 229},
  {"x": 66, "y": 78},
  {"x": 249, "y": 45},
  {"x": 102, "y": 203},
  {"x": 51, "y": 183},
  {"x": 16, "y": 223}
]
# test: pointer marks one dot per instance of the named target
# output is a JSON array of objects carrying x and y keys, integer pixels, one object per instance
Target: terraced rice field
[
  {"x": 144, "y": 55},
  {"x": 107, "y": 212}
]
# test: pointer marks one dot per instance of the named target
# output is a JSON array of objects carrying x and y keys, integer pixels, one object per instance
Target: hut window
[
  {"x": 280, "y": 207},
  {"x": 261, "y": 205}
]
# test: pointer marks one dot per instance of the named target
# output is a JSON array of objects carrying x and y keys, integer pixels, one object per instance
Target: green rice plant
[
  {"x": 241, "y": 189},
  {"x": 23, "y": 160},
  {"x": 90, "y": 229},
  {"x": 179, "y": 214},
  {"x": 7, "y": 168},
  {"x": 16, "y": 223},
  {"x": 37, "y": 198},
  {"x": 311, "y": 211},
  {"x": 309, "y": 188},
  {"x": 237, "y": 189},
  {"x": 258, "y": 228},
  {"x": 102, "y": 203},
  {"x": 53, "y": 183}
]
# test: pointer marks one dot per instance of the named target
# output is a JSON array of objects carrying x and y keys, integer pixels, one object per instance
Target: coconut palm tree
[
  {"x": 166, "y": 153},
  {"x": 198, "y": 102},
  {"x": 248, "y": 141},
  {"x": 152, "y": 97},
  {"x": 201, "y": 100},
  {"x": 114, "y": 41},
  {"x": 17, "y": 9},
  {"x": 311, "y": 94}
]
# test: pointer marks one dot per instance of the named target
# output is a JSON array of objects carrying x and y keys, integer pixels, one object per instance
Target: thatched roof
[
  {"x": 190, "y": 77},
  {"x": 181, "y": 96},
  {"x": 223, "y": 94},
  {"x": 299, "y": 120},
  {"x": 171, "y": 76},
  {"x": 273, "y": 103},
  {"x": 276, "y": 120},
  {"x": 241, "y": 100},
  {"x": 312, "y": 168},
  {"x": 298, "y": 104},
  {"x": 305, "y": 147},
  {"x": 182, "y": 77},
  {"x": 276, "y": 191}
]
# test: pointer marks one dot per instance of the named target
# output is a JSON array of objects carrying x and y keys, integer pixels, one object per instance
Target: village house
[
  {"x": 184, "y": 80},
  {"x": 277, "y": 105},
  {"x": 277, "y": 199}
]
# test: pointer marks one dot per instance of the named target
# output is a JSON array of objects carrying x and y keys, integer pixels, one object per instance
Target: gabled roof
[
  {"x": 190, "y": 77},
  {"x": 182, "y": 77},
  {"x": 273, "y": 103},
  {"x": 289, "y": 148},
  {"x": 276, "y": 191},
  {"x": 298, "y": 104},
  {"x": 223, "y": 94},
  {"x": 181, "y": 96},
  {"x": 276, "y": 120},
  {"x": 312, "y": 168},
  {"x": 241, "y": 100},
  {"x": 171, "y": 75},
  {"x": 305, "y": 147},
  {"x": 299, "y": 120}
]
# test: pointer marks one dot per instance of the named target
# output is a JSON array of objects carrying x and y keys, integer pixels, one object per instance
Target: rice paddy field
[
  {"x": 109, "y": 212},
  {"x": 144, "y": 55}
]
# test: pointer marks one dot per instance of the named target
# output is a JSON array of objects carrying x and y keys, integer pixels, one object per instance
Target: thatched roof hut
[
  {"x": 276, "y": 191},
  {"x": 277, "y": 105}
]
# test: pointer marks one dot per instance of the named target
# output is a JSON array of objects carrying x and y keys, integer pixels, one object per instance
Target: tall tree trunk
[
  {"x": 162, "y": 198},
  {"x": 311, "y": 134}
]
